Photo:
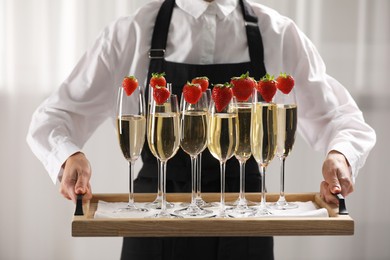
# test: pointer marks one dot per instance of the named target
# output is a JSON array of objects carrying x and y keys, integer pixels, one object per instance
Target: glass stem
[
  {"x": 193, "y": 180},
  {"x": 163, "y": 167},
  {"x": 263, "y": 198},
  {"x": 223, "y": 166},
  {"x": 198, "y": 177},
  {"x": 159, "y": 183},
  {"x": 131, "y": 184},
  {"x": 242, "y": 182},
  {"x": 282, "y": 163}
]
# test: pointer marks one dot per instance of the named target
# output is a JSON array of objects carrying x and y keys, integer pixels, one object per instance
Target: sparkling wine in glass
[
  {"x": 131, "y": 127},
  {"x": 263, "y": 141},
  {"x": 243, "y": 153},
  {"x": 287, "y": 126},
  {"x": 222, "y": 140},
  {"x": 164, "y": 140},
  {"x": 193, "y": 140}
]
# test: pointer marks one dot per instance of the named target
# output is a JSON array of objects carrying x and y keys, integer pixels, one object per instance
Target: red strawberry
[
  {"x": 267, "y": 87},
  {"x": 129, "y": 84},
  {"x": 243, "y": 86},
  {"x": 285, "y": 83},
  {"x": 222, "y": 94},
  {"x": 202, "y": 81},
  {"x": 160, "y": 94},
  {"x": 192, "y": 92},
  {"x": 158, "y": 79}
]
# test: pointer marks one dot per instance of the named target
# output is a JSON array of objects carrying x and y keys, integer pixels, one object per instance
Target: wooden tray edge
[{"x": 86, "y": 225}]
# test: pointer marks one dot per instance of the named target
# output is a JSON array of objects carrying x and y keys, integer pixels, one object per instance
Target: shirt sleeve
[
  {"x": 65, "y": 120},
  {"x": 63, "y": 123},
  {"x": 328, "y": 117}
]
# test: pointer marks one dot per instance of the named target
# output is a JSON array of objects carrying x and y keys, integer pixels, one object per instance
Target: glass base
[
  {"x": 261, "y": 211},
  {"x": 241, "y": 210},
  {"x": 283, "y": 205},
  {"x": 242, "y": 202},
  {"x": 194, "y": 211},
  {"x": 164, "y": 215},
  {"x": 200, "y": 203},
  {"x": 156, "y": 204},
  {"x": 222, "y": 214},
  {"x": 203, "y": 204},
  {"x": 131, "y": 208}
]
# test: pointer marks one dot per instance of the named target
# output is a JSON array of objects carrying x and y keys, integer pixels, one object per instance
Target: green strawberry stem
[
  {"x": 267, "y": 78},
  {"x": 158, "y": 75}
]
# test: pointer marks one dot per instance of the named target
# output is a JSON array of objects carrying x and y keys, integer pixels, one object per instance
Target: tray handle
[
  {"x": 79, "y": 205},
  {"x": 342, "y": 208}
]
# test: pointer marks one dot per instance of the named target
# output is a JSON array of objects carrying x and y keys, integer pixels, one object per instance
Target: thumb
[
  {"x": 334, "y": 184},
  {"x": 81, "y": 185}
]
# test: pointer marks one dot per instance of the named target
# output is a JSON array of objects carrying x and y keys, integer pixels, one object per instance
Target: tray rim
[{"x": 87, "y": 226}]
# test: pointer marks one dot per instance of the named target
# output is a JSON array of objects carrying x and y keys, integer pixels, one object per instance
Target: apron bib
[{"x": 179, "y": 167}]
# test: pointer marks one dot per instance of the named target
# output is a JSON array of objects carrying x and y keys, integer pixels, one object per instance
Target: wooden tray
[{"x": 85, "y": 225}]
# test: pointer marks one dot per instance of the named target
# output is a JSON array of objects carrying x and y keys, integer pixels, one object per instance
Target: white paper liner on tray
[{"x": 110, "y": 210}]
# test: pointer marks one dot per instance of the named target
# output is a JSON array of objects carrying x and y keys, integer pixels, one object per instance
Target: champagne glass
[
  {"x": 263, "y": 141},
  {"x": 156, "y": 204},
  {"x": 243, "y": 153},
  {"x": 198, "y": 199},
  {"x": 193, "y": 140},
  {"x": 164, "y": 140},
  {"x": 287, "y": 126},
  {"x": 131, "y": 127},
  {"x": 221, "y": 141}
]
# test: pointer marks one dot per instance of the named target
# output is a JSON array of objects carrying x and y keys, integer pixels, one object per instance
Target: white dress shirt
[{"x": 200, "y": 33}]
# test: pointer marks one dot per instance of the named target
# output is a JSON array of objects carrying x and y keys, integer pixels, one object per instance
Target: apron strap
[
  {"x": 161, "y": 29},
  {"x": 159, "y": 39},
  {"x": 255, "y": 42}
]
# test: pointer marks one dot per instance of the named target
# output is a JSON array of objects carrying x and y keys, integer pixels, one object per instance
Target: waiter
[{"x": 185, "y": 39}]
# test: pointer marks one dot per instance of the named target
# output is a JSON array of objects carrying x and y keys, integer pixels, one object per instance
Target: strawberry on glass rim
[
  {"x": 160, "y": 94},
  {"x": 129, "y": 84},
  {"x": 202, "y": 81},
  {"x": 243, "y": 86},
  {"x": 222, "y": 94},
  {"x": 192, "y": 92},
  {"x": 285, "y": 83},
  {"x": 158, "y": 79},
  {"x": 267, "y": 87}
]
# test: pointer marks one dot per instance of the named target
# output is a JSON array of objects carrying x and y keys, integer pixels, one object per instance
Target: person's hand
[
  {"x": 76, "y": 176},
  {"x": 337, "y": 177}
]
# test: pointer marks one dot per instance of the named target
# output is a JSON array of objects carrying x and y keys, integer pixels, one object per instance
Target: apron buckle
[
  {"x": 247, "y": 23},
  {"x": 156, "y": 53}
]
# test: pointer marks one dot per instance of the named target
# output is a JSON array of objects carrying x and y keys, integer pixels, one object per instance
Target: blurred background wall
[{"x": 41, "y": 41}]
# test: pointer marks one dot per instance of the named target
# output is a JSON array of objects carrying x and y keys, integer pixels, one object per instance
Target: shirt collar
[{"x": 196, "y": 8}]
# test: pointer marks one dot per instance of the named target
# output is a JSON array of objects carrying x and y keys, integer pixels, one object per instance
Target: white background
[{"x": 41, "y": 41}]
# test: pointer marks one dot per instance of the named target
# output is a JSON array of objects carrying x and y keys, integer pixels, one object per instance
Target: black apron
[{"x": 179, "y": 167}]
